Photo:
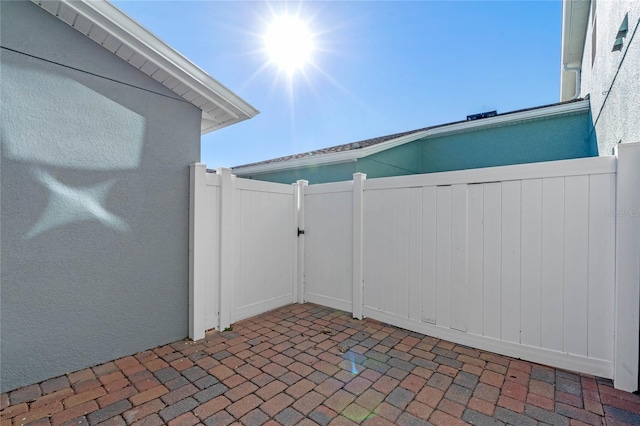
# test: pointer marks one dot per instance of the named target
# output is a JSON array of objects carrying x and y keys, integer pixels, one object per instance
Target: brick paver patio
[{"x": 306, "y": 364}]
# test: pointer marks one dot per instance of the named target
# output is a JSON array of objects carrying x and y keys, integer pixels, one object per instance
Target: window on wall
[{"x": 622, "y": 33}]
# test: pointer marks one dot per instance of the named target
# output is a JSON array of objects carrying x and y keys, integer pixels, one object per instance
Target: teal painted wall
[
  {"x": 401, "y": 160},
  {"x": 550, "y": 139},
  {"x": 314, "y": 174},
  {"x": 557, "y": 138}
]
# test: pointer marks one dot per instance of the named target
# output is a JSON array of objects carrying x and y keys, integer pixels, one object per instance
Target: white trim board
[
  {"x": 262, "y": 186},
  {"x": 249, "y": 311},
  {"x": 329, "y": 188},
  {"x": 330, "y": 302},
  {"x": 546, "y": 169}
]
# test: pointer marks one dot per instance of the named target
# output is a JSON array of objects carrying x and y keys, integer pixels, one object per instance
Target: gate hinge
[{"x": 300, "y": 232}]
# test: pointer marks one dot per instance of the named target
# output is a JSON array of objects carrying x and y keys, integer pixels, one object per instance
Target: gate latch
[{"x": 300, "y": 232}]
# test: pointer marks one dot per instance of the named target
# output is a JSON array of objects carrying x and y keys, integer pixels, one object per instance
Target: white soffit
[
  {"x": 115, "y": 31},
  {"x": 575, "y": 18},
  {"x": 465, "y": 126}
]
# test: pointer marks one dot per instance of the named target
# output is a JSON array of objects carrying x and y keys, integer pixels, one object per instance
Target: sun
[{"x": 289, "y": 43}]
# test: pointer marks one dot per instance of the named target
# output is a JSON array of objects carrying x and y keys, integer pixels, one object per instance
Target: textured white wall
[{"x": 613, "y": 79}]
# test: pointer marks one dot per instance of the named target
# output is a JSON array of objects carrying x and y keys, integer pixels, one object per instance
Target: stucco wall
[
  {"x": 612, "y": 80},
  {"x": 557, "y": 138},
  {"x": 94, "y": 204}
]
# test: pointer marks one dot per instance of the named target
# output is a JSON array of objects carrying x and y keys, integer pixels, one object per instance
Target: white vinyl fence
[
  {"x": 536, "y": 261},
  {"x": 523, "y": 266},
  {"x": 244, "y": 250}
]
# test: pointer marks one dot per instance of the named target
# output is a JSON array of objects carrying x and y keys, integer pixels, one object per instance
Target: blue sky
[{"x": 378, "y": 68}]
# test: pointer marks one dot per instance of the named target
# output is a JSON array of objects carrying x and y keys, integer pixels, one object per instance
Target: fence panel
[
  {"x": 328, "y": 263},
  {"x": 601, "y": 264},
  {"x": 519, "y": 260},
  {"x": 531, "y": 262},
  {"x": 264, "y": 235},
  {"x": 204, "y": 245}
]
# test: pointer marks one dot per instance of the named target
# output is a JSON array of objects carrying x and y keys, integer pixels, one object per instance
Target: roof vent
[
  {"x": 482, "y": 115},
  {"x": 356, "y": 145},
  {"x": 622, "y": 33}
]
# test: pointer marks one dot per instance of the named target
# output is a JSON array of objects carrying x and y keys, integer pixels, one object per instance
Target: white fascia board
[
  {"x": 466, "y": 126},
  {"x": 117, "y": 24},
  {"x": 575, "y": 17}
]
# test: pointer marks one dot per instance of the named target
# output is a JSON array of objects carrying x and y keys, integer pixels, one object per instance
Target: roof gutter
[
  {"x": 578, "y": 71},
  {"x": 575, "y": 18},
  {"x": 461, "y": 127}
]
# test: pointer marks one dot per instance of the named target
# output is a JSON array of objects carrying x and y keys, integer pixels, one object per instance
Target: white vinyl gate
[
  {"x": 264, "y": 231},
  {"x": 243, "y": 248},
  {"x": 328, "y": 244}
]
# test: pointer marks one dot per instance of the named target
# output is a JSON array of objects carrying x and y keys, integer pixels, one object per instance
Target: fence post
[
  {"x": 197, "y": 251},
  {"x": 227, "y": 252},
  {"x": 627, "y": 301},
  {"x": 357, "y": 284},
  {"x": 296, "y": 247},
  {"x": 300, "y": 236}
]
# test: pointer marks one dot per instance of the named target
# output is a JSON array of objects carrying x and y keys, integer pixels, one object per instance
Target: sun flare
[{"x": 289, "y": 43}]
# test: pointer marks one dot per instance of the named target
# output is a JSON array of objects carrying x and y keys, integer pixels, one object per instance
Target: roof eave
[
  {"x": 120, "y": 26},
  {"x": 465, "y": 126},
  {"x": 209, "y": 126}
]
